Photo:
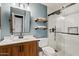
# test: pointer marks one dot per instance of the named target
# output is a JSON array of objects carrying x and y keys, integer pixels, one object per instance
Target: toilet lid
[{"x": 48, "y": 50}]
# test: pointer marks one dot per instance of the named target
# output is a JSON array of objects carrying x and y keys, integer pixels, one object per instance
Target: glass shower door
[{"x": 56, "y": 39}]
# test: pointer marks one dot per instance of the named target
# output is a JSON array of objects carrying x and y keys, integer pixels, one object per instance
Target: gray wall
[
  {"x": 5, "y": 13},
  {"x": 0, "y": 20},
  {"x": 37, "y": 10},
  {"x": 0, "y": 34}
]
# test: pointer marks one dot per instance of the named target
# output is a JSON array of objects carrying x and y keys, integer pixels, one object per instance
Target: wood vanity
[{"x": 27, "y": 48}]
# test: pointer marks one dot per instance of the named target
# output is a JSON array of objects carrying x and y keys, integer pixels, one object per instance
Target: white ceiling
[{"x": 54, "y": 6}]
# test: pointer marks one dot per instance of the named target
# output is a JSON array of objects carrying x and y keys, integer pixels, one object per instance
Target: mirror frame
[{"x": 0, "y": 17}]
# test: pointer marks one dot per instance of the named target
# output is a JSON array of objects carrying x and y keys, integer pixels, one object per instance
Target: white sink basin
[{"x": 15, "y": 39}]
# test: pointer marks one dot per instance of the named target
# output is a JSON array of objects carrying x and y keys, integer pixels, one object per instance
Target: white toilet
[{"x": 46, "y": 50}]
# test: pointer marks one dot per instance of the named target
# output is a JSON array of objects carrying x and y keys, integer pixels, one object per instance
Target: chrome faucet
[{"x": 20, "y": 36}]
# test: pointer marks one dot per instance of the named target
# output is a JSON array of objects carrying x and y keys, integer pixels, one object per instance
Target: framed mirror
[{"x": 19, "y": 21}]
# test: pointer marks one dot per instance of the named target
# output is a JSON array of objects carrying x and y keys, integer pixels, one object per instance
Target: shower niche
[
  {"x": 73, "y": 30},
  {"x": 19, "y": 21}
]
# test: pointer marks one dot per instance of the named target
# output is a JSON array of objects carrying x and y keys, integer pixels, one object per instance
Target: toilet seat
[{"x": 48, "y": 51}]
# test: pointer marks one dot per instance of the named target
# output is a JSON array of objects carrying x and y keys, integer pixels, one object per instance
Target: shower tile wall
[
  {"x": 65, "y": 42},
  {"x": 71, "y": 20}
]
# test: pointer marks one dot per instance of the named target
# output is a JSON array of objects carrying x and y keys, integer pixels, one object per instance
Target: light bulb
[{"x": 28, "y": 9}]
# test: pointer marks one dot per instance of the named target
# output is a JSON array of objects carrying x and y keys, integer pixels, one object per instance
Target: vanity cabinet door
[
  {"x": 5, "y": 51},
  {"x": 15, "y": 50},
  {"x": 20, "y": 50},
  {"x": 25, "y": 49},
  {"x": 33, "y": 47}
]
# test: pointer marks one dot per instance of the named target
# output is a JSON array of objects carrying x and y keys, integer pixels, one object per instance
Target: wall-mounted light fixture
[{"x": 28, "y": 9}]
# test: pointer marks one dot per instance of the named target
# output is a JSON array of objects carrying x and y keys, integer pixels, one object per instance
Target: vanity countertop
[{"x": 14, "y": 41}]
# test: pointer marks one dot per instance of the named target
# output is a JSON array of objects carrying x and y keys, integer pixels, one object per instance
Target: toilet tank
[{"x": 43, "y": 42}]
